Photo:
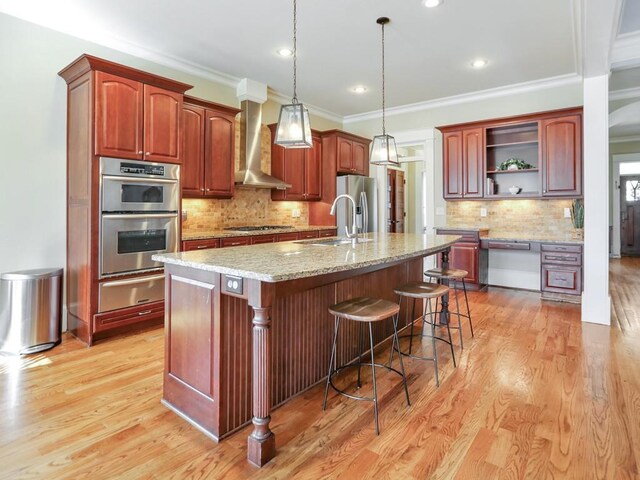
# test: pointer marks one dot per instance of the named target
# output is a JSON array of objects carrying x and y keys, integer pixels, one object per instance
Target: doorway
[
  {"x": 630, "y": 214},
  {"x": 395, "y": 204}
]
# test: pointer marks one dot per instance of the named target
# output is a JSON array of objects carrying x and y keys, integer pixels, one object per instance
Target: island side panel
[
  {"x": 192, "y": 346},
  {"x": 301, "y": 330}
]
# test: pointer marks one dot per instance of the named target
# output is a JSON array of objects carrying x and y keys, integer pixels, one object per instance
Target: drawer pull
[
  {"x": 146, "y": 312},
  {"x": 202, "y": 246}
]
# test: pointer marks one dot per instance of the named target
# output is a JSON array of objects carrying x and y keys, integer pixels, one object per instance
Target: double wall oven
[{"x": 139, "y": 217}]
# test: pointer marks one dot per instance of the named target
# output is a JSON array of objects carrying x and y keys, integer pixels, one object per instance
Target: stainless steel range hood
[{"x": 249, "y": 173}]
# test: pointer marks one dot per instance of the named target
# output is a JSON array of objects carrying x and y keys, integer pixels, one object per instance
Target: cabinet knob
[
  {"x": 148, "y": 153},
  {"x": 202, "y": 189},
  {"x": 140, "y": 152}
]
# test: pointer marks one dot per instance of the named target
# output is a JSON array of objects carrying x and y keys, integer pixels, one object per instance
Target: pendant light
[
  {"x": 383, "y": 148},
  {"x": 294, "y": 130}
]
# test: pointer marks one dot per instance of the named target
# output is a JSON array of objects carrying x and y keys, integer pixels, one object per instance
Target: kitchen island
[{"x": 247, "y": 328}]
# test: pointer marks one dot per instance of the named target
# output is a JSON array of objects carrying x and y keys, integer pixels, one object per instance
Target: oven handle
[
  {"x": 137, "y": 216},
  {"x": 133, "y": 281},
  {"x": 139, "y": 180}
]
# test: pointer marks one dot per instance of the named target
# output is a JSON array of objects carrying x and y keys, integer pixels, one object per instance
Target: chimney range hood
[{"x": 252, "y": 95}]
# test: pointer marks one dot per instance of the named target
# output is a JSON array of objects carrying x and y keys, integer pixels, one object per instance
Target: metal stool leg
[
  {"x": 451, "y": 345},
  {"x": 413, "y": 317},
  {"x": 466, "y": 300},
  {"x": 360, "y": 349},
  {"x": 333, "y": 354},
  {"x": 397, "y": 342},
  {"x": 396, "y": 326},
  {"x": 373, "y": 374},
  {"x": 433, "y": 344},
  {"x": 455, "y": 289}
]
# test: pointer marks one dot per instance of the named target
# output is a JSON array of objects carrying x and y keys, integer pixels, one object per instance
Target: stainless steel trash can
[{"x": 30, "y": 310}]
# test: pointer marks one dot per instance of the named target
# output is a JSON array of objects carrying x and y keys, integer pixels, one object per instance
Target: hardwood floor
[{"x": 536, "y": 395}]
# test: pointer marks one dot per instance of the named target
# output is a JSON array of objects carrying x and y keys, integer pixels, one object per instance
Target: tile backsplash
[
  {"x": 523, "y": 216},
  {"x": 249, "y": 206}
]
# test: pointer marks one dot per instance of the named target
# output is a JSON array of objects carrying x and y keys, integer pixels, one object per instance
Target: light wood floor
[{"x": 536, "y": 395}]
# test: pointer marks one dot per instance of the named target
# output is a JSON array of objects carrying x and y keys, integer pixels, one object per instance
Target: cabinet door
[
  {"x": 473, "y": 163},
  {"x": 162, "y": 113},
  {"x": 360, "y": 158},
  {"x": 118, "y": 117},
  {"x": 562, "y": 156},
  {"x": 345, "y": 155},
  {"x": 465, "y": 256},
  {"x": 561, "y": 279},
  {"x": 452, "y": 165},
  {"x": 294, "y": 160},
  {"x": 192, "y": 172},
  {"x": 219, "y": 150},
  {"x": 313, "y": 171}
]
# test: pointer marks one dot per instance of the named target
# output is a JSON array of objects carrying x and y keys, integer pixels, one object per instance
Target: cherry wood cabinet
[
  {"x": 204, "y": 244},
  {"x": 299, "y": 167},
  {"x": 560, "y": 271},
  {"x": 562, "y": 156},
  {"x": 349, "y": 153},
  {"x": 135, "y": 120},
  {"x": 116, "y": 111},
  {"x": 208, "y": 145},
  {"x": 467, "y": 255},
  {"x": 550, "y": 142}
]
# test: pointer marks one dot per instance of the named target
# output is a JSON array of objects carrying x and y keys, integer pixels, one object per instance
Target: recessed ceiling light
[
  {"x": 432, "y": 3},
  {"x": 359, "y": 89},
  {"x": 479, "y": 63},
  {"x": 285, "y": 52}
]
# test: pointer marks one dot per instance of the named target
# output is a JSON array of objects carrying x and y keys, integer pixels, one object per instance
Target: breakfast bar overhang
[{"x": 247, "y": 328}]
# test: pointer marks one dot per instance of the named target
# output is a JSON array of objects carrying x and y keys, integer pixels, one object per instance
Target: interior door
[
  {"x": 630, "y": 215},
  {"x": 395, "y": 203}
]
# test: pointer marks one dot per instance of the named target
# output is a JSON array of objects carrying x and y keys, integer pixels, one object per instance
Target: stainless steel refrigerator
[{"x": 364, "y": 192}]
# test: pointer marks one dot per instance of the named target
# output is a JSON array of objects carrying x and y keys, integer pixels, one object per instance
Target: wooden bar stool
[
  {"x": 456, "y": 276},
  {"x": 366, "y": 310},
  {"x": 427, "y": 292}
]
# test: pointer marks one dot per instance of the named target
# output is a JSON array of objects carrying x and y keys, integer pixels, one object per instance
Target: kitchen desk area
[{"x": 247, "y": 327}]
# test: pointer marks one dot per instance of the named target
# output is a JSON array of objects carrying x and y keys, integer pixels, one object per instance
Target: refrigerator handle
[{"x": 364, "y": 208}]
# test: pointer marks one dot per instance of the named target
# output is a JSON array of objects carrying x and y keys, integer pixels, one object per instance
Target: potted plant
[
  {"x": 577, "y": 218},
  {"x": 514, "y": 164}
]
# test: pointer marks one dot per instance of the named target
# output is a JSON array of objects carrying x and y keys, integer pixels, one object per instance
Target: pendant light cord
[
  {"x": 295, "y": 31},
  {"x": 384, "y": 132}
]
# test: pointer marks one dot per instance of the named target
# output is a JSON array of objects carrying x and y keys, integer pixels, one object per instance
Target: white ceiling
[{"x": 428, "y": 54}]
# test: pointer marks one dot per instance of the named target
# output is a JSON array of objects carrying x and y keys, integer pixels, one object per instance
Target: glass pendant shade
[
  {"x": 294, "y": 129},
  {"x": 383, "y": 151}
]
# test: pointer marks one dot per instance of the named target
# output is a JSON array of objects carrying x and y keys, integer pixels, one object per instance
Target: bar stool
[
  {"x": 456, "y": 276},
  {"x": 427, "y": 292},
  {"x": 369, "y": 311}
]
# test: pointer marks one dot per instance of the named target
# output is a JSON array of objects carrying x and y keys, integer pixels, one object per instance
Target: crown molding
[
  {"x": 626, "y": 51},
  {"x": 627, "y": 139},
  {"x": 518, "y": 88},
  {"x": 313, "y": 109},
  {"x": 625, "y": 94}
]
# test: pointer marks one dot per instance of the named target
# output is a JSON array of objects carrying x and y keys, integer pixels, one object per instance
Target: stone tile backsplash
[
  {"x": 249, "y": 206},
  {"x": 522, "y": 216}
]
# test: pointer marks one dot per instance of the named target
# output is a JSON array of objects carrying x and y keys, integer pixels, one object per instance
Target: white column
[{"x": 596, "y": 303}]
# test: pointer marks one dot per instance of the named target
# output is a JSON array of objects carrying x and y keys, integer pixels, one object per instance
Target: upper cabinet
[
  {"x": 562, "y": 156},
  {"x": 208, "y": 149},
  {"x": 299, "y": 167},
  {"x": 548, "y": 146},
  {"x": 350, "y": 153},
  {"x": 135, "y": 120}
]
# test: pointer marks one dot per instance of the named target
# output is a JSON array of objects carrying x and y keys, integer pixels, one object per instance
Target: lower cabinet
[
  {"x": 467, "y": 255},
  {"x": 188, "y": 245},
  {"x": 127, "y": 316},
  {"x": 560, "y": 271},
  {"x": 328, "y": 233}
]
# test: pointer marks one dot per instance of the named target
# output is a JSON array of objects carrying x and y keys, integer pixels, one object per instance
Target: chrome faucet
[{"x": 353, "y": 235}]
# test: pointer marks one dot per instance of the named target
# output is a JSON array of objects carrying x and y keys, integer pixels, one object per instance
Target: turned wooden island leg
[{"x": 261, "y": 442}]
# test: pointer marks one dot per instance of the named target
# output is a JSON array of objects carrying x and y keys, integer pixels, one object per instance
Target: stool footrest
[{"x": 355, "y": 365}]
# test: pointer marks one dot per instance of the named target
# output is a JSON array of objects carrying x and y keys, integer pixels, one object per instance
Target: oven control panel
[
  {"x": 139, "y": 169},
  {"x": 232, "y": 284}
]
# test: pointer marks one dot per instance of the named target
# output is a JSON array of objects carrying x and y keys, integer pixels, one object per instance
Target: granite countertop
[
  {"x": 235, "y": 233},
  {"x": 275, "y": 262},
  {"x": 531, "y": 237},
  {"x": 463, "y": 229}
]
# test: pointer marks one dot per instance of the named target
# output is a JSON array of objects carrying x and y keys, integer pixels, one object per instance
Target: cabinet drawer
[
  {"x": 287, "y": 237},
  {"x": 258, "y": 239},
  {"x": 328, "y": 233},
  {"x": 127, "y": 316},
  {"x": 561, "y": 279},
  {"x": 189, "y": 245},
  {"x": 554, "y": 247},
  {"x": 510, "y": 245},
  {"x": 561, "y": 258},
  {"x": 310, "y": 234},
  {"x": 235, "y": 241}
]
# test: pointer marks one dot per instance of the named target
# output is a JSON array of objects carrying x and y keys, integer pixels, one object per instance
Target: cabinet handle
[
  {"x": 202, "y": 189},
  {"x": 140, "y": 152},
  {"x": 148, "y": 153},
  {"x": 146, "y": 312},
  {"x": 202, "y": 246}
]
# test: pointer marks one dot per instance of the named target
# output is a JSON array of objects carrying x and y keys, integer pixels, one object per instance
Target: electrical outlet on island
[
  {"x": 567, "y": 213},
  {"x": 295, "y": 213}
]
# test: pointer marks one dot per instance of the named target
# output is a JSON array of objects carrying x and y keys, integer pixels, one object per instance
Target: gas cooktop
[{"x": 255, "y": 228}]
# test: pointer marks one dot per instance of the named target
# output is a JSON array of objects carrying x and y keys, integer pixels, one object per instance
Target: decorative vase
[{"x": 578, "y": 233}]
